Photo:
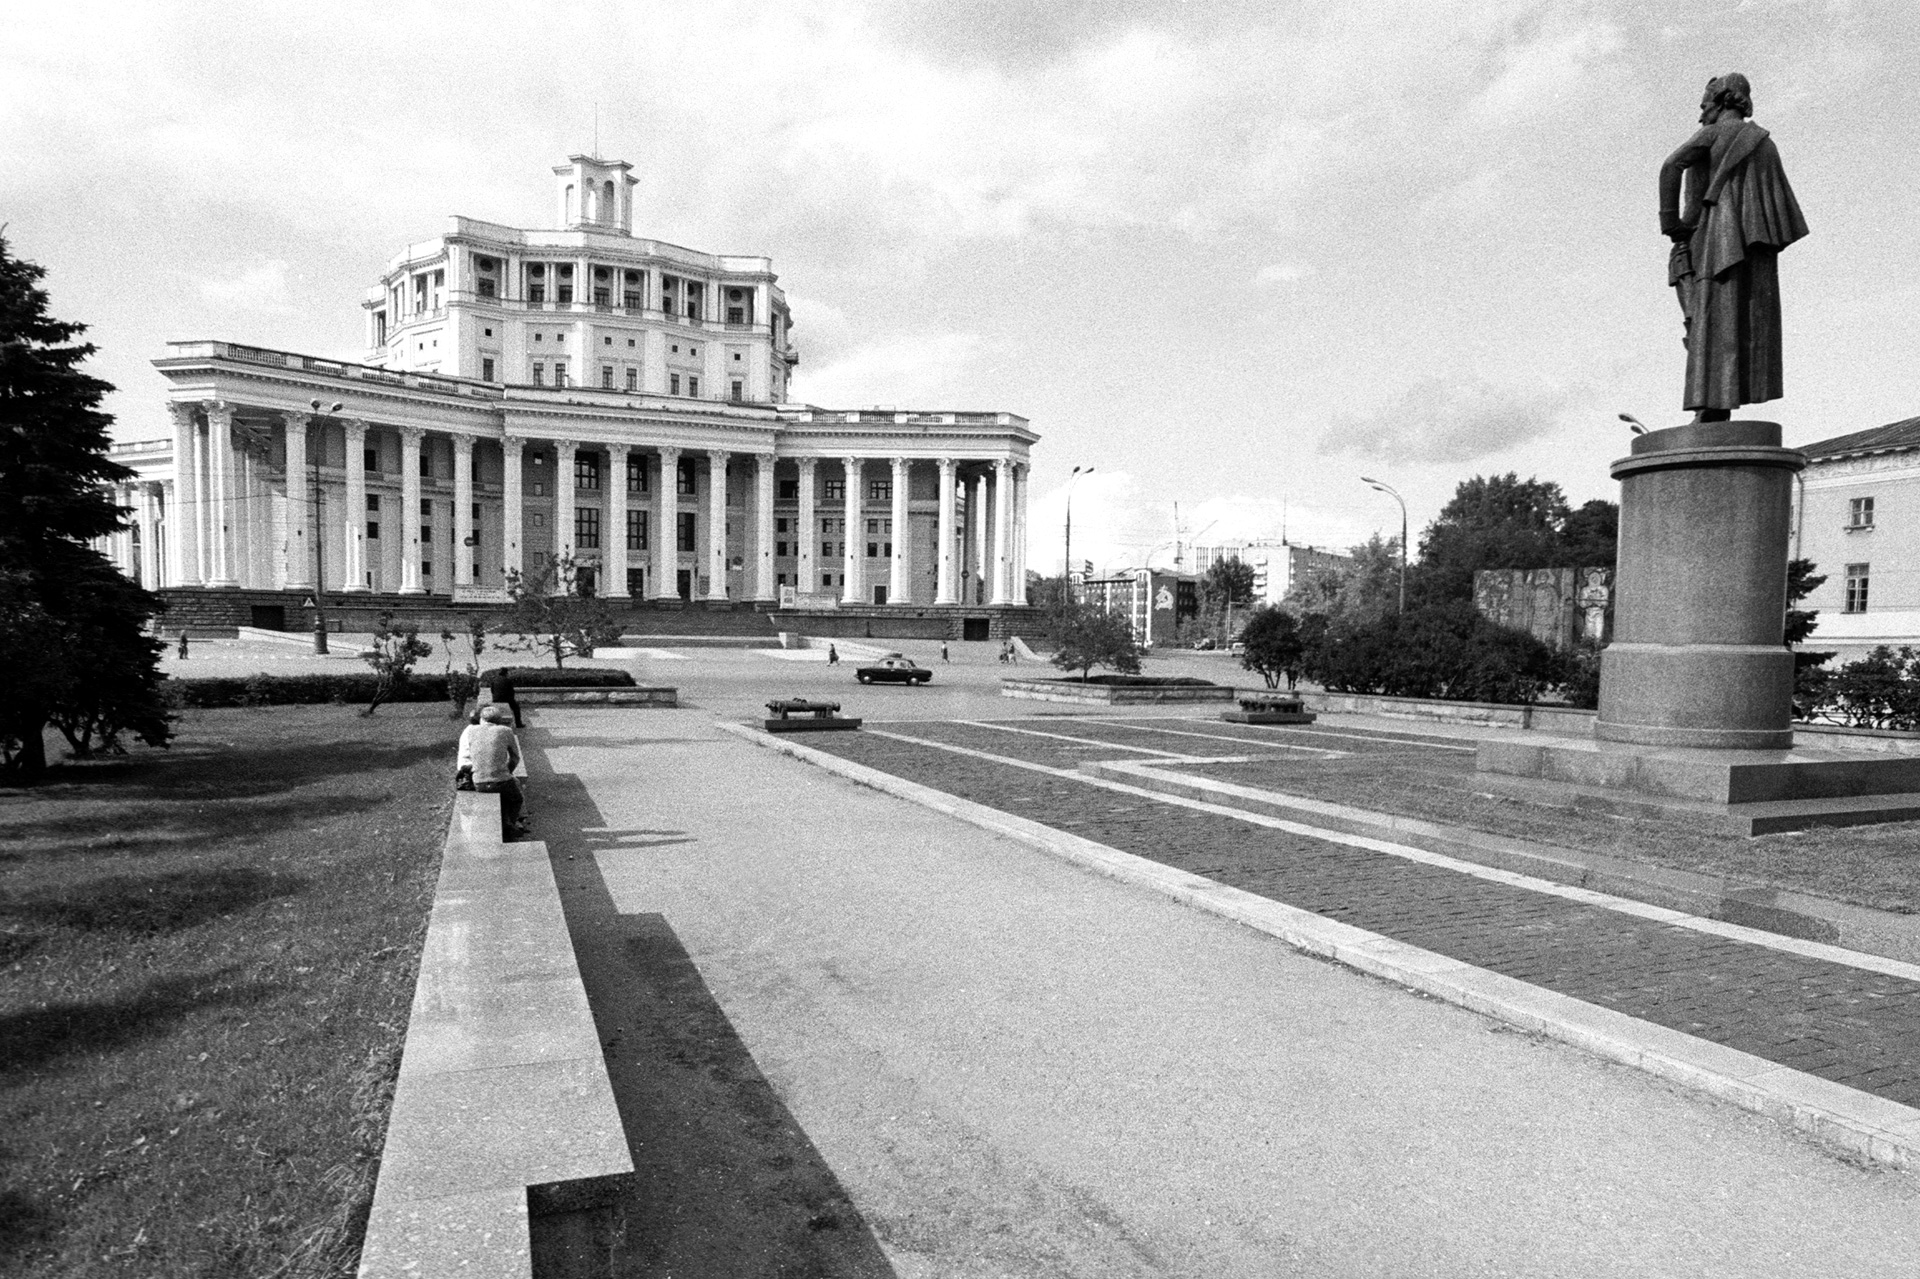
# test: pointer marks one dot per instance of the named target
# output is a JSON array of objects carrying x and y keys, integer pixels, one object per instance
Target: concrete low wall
[
  {"x": 504, "y": 1148},
  {"x": 1051, "y": 690},
  {"x": 593, "y": 696}
]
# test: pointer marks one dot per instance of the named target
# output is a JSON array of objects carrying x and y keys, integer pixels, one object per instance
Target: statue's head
[{"x": 1730, "y": 92}]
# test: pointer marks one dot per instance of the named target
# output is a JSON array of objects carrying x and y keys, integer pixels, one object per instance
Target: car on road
[{"x": 893, "y": 669}]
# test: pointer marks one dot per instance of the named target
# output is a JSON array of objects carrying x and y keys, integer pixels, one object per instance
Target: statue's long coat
[{"x": 1727, "y": 272}]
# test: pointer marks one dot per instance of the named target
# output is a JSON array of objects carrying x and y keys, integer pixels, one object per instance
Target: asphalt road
[{"x": 853, "y": 1037}]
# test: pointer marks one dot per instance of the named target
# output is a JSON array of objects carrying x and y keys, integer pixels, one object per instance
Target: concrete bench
[
  {"x": 504, "y": 1149},
  {"x": 798, "y": 715},
  {"x": 1269, "y": 708}
]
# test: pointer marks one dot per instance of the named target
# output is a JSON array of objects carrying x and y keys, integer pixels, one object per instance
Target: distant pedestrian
[
  {"x": 489, "y": 754},
  {"x": 833, "y": 656},
  {"x": 1003, "y": 652},
  {"x": 183, "y": 646},
  {"x": 943, "y": 652}
]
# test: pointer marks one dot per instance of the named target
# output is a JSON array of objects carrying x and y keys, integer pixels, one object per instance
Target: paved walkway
[
  {"x": 852, "y": 1036},
  {"x": 1842, "y": 1023}
]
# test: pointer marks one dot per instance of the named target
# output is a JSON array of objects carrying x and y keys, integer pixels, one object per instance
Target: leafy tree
[
  {"x": 1498, "y": 521},
  {"x": 1810, "y": 676},
  {"x": 553, "y": 614},
  {"x": 1087, "y": 637},
  {"x": 1358, "y": 593},
  {"x": 463, "y": 685},
  {"x": 1273, "y": 646},
  {"x": 1049, "y": 593},
  {"x": 92, "y": 672},
  {"x": 1227, "y": 585},
  {"x": 1590, "y": 538},
  {"x": 1881, "y": 690},
  {"x": 395, "y": 650}
]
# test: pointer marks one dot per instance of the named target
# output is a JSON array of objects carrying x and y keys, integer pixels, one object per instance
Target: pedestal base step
[
  {"x": 1269, "y": 717},
  {"x": 810, "y": 724}
]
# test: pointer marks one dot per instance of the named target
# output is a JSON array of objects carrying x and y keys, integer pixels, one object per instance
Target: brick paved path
[{"x": 1844, "y": 1024}]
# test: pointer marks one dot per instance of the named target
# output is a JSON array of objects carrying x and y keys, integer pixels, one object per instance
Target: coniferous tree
[{"x": 74, "y": 626}]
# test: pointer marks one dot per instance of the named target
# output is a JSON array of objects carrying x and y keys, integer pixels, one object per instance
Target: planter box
[
  {"x": 1063, "y": 690},
  {"x": 612, "y": 695}
]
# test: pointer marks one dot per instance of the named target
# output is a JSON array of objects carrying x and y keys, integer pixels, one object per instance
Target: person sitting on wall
[{"x": 489, "y": 754}]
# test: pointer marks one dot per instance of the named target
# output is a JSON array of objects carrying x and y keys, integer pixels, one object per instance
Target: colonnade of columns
[{"x": 215, "y": 516}]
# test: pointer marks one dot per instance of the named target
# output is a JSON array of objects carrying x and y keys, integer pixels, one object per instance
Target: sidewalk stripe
[{"x": 1880, "y": 1130}]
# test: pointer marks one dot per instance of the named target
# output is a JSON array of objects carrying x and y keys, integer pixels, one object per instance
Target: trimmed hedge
[
  {"x": 297, "y": 690},
  {"x": 548, "y": 677}
]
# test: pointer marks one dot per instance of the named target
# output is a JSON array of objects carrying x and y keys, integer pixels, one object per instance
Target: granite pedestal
[{"x": 1696, "y": 689}]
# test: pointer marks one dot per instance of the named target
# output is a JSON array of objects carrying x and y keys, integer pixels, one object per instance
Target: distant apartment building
[
  {"x": 1154, "y": 603},
  {"x": 1277, "y": 565},
  {"x": 1857, "y": 517}
]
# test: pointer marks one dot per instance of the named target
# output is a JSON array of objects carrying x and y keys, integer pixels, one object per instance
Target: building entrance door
[
  {"x": 684, "y": 581},
  {"x": 879, "y": 595},
  {"x": 974, "y": 628},
  {"x": 269, "y": 617}
]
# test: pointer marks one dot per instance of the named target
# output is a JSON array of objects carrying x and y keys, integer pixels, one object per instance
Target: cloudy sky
[{"x": 1232, "y": 255}]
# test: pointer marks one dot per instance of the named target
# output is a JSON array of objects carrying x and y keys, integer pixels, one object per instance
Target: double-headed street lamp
[
  {"x": 1390, "y": 491},
  {"x": 1066, "y": 571}
]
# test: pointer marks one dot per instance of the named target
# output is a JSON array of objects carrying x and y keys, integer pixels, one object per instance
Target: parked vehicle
[{"x": 894, "y": 669}]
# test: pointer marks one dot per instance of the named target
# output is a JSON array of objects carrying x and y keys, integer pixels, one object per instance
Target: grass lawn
[{"x": 206, "y": 959}]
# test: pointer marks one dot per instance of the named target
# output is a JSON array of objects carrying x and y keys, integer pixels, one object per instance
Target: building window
[
  {"x": 836, "y": 490},
  {"x": 734, "y": 392},
  {"x": 789, "y": 490},
  {"x": 684, "y": 538},
  {"x": 426, "y": 508},
  {"x": 880, "y": 490},
  {"x": 873, "y": 550},
  {"x": 636, "y": 475},
  {"x": 693, "y": 386},
  {"x": 487, "y": 288},
  {"x": 371, "y": 459},
  {"x": 684, "y": 478},
  {"x": 373, "y": 501},
  {"x": 586, "y": 528},
  {"x": 826, "y": 550},
  {"x": 1856, "y": 588},
  {"x": 780, "y": 525},
  {"x": 586, "y": 470},
  {"x": 1860, "y": 513},
  {"x": 539, "y": 374},
  {"x": 636, "y": 530},
  {"x": 633, "y": 379},
  {"x": 673, "y": 384},
  {"x": 559, "y": 372},
  {"x": 426, "y": 568},
  {"x": 486, "y": 370},
  {"x": 426, "y": 465},
  {"x": 373, "y": 530},
  {"x": 873, "y": 526},
  {"x": 606, "y": 376},
  {"x": 826, "y": 579},
  {"x": 539, "y": 520}
]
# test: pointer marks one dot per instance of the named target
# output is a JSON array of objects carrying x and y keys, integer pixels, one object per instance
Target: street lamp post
[
  {"x": 319, "y": 546},
  {"x": 1066, "y": 568},
  {"x": 1390, "y": 491}
]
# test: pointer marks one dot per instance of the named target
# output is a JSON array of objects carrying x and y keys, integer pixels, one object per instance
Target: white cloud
[
  {"x": 1451, "y": 419},
  {"x": 1282, "y": 273},
  {"x": 920, "y": 371},
  {"x": 262, "y": 287}
]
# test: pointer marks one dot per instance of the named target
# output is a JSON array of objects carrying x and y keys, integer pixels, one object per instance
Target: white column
[
  {"x": 853, "y": 531},
  {"x": 463, "y": 510},
  {"x": 410, "y": 437},
  {"x": 299, "y": 509},
  {"x": 244, "y": 508},
  {"x": 1018, "y": 592},
  {"x": 666, "y": 534},
  {"x": 716, "y": 509},
  {"x": 900, "y": 576},
  {"x": 980, "y": 516},
  {"x": 563, "y": 500},
  {"x": 763, "y": 464},
  {"x": 186, "y": 497},
  {"x": 353, "y": 569},
  {"x": 220, "y": 468},
  {"x": 808, "y": 530},
  {"x": 513, "y": 491},
  {"x": 1002, "y": 565},
  {"x": 943, "y": 537},
  {"x": 613, "y": 536}
]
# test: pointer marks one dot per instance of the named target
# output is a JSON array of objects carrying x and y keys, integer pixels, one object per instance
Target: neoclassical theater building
[{"x": 580, "y": 392}]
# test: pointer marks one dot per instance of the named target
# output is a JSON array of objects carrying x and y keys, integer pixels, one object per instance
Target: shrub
[
  {"x": 1881, "y": 690},
  {"x": 396, "y": 647},
  {"x": 1273, "y": 646},
  {"x": 509, "y": 677},
  {"x": 295, "y": 690},
  {"x": 1090, "y": 637},
  {"x": 1446, "y": 651}
]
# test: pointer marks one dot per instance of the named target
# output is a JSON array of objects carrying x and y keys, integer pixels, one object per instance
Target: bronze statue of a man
[{"x": 1739, "y": 214}]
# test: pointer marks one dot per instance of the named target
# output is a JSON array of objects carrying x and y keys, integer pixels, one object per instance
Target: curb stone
[{"x": 1870, "y": 1127}]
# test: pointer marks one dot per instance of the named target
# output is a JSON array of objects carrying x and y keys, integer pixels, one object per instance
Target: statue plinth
[{"x": 1701, "y": 593}]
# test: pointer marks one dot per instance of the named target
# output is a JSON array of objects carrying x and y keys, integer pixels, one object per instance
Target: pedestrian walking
[
  {"x": 833, "y": 656},
  {"x": 489, "y": 754},
  {"x": 183, "y": 646},
  {"x": 943, "y": 652}
]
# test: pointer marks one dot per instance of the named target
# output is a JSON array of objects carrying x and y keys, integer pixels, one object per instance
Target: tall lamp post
[
  {"x": 1066, "y": 569},
  {"x": 1391, "y": 492},
  {"x": 319, "y": 545}
]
